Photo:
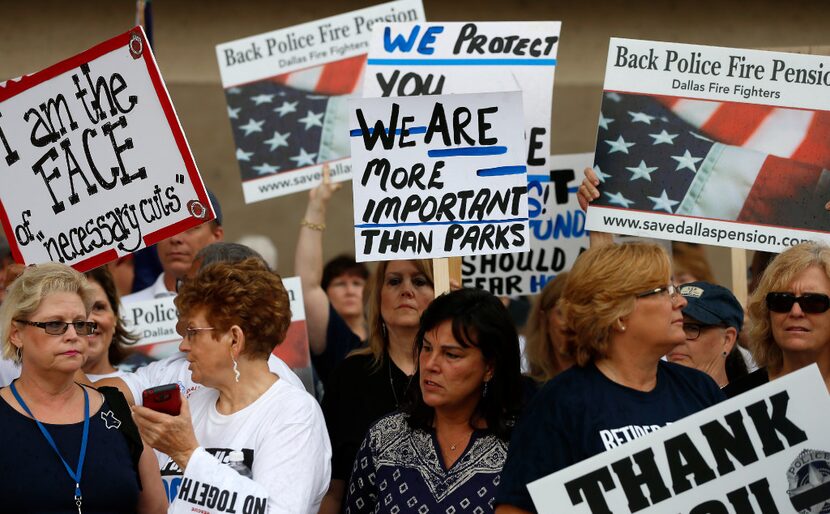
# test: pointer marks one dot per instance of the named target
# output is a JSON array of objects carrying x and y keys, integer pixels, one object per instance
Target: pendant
[{"x": 78, "y": 497}]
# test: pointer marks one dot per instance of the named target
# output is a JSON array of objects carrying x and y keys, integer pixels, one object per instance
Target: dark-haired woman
[
  {"x": 107, "y": 343},
  {"x": 446, "y": 450}
]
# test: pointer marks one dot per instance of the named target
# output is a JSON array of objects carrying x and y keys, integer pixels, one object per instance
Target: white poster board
[
  {"x": 93, "y": 162},
  {"x": 286, "y": 92},
  {"x": 763, "y": 451},
  {"x": 438, "y": 176},
  {"x": 713, "y": 145}
]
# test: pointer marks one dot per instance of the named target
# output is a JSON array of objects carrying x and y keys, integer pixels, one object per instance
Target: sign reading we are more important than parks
[
  {"x": 766, "y": 451},
  {"x": 438, "y": 176},
  {"x": 93, "y": 162}
]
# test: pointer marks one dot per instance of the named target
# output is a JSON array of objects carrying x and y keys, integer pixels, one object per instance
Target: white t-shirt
[
  {"x": 286, "y": 446},
  {"x": 174, "y": 370},
  {"x": 115, "y": 374}
]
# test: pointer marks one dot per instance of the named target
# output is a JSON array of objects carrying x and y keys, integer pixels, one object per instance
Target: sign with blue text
[
  {"x": 438, "y": 176},
  {"x": 93, "y": 161},
  {"x": 766, "y": 450},
  {"x": 711, "y": 145},
  {"x": 557, "y": 234},
  {"x": 286, "y": 92}
]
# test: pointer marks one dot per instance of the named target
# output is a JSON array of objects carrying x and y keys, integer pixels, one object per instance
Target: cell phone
[{"x": 163, "y": 398}]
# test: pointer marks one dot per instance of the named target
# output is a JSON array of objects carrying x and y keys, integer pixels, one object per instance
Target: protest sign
[
  {"x": 154, "y": 321},
  {"x": 438, "y": 176},
  {"x": 763, "y": 451},
  {"x": 286, "y": 92},
  {"x": 93, "y": 161},
  {"x": 713, "y": 145},
  {"x": 557, "y": 234}
]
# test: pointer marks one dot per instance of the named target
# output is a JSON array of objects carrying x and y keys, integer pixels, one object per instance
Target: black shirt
[{"x": 358, "y": 393}]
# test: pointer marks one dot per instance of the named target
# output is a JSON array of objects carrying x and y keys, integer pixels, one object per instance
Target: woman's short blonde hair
[
  {"x": 24, "y": 295},
  {"x": 601, "y": 289},
  {"x": 543, "y": 359},
  {"x": 378, "y": 340},
  {"x": 777, "y": 277}
]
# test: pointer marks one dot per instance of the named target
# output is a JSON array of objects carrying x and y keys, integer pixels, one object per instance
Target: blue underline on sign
[
  {"x": 463, "y": 62},
  {"x": 432, "y": 223},
  {"x": 472, "y": 150},
  {"x": 501, "y": 171},
  {"x": 412, "y": 130}
]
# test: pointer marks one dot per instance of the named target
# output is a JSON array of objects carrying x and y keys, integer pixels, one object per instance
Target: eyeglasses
[
  {"x": 810, "y": 303},
  {"x": 671, "y": 289},
  {"x": 57, "y": 328},
  {"x": 190, "y": 332},
  {"x": 693, "y": 330}
]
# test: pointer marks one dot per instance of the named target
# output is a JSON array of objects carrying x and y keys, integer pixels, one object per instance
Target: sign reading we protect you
[
  {"x": 765, "y": 451},
  {"x": 438, "y": 176},
  {"x": 93, "y": 162}
]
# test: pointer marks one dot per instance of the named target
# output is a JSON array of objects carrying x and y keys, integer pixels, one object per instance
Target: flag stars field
[
  {"x": 640, "y": 117},
  {"x": 277, "y": 140},
  {"x": 286, "y": 108},
  {"x": 600, "y": 175},
  {"x": 304, "y": 158},
  {"x": 618, "y": 199},
  {"x": 663, "y": 202},
  {"x": 262, "y": 99},
  {"x": 266, "y": 169},
  {"x": 252, "y": 126},
  {"x": 663, "y": 137},
  {"x": 242, "y": 155},
  {"x": 312, "y": 120},
  {"x": 603, "y": 121},
  {"x": 641, "y": 171},
  {"x": 686, "y": 161},
  {"x": 619, "y": 145}
]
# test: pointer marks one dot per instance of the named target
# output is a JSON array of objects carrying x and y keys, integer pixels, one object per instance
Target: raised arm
[
  {"x": 308, "y": 262},
  {"x": 587, "y": 193}
]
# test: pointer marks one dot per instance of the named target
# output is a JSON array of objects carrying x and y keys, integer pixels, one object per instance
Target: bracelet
[{"x": 319, "y": 227}]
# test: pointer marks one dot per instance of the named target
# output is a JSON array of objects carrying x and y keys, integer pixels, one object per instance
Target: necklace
[
  {"x": 392, "y": 382},
  {"x": 76, "y": 475}
]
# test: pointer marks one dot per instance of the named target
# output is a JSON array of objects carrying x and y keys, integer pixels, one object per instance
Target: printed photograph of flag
[
  {"x": 749, "y": 163},
  {"x": 294, "y": 120}
]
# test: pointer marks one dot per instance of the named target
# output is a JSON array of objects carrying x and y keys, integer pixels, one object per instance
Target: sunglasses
[
  {"x": 58, "y": 328},
  {"x": 810, "y": 303}
]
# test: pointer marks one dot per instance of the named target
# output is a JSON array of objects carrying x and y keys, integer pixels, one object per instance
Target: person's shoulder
[
  {"x": 359, "y": 364},
  {"x": 573, "y": 377},
  {"x": 686, "y": 373},
  {"x": 286, "y": 403},
  {"x": 686, "y": 378}
]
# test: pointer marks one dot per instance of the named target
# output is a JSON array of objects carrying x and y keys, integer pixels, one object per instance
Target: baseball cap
[
  {"x": 217, "y": 209},
  {"x": 712, "y": 304}
]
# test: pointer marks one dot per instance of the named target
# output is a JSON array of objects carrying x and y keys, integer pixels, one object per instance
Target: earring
[
  {"x": 383, "y": 328},
  {"x": 484, "y": 393},
  {"x": 235, "y": 368},
  {"x": 620, "y": 324},
  {"x": 19, "y": 355},
  {"x": 724, "y": 354}
]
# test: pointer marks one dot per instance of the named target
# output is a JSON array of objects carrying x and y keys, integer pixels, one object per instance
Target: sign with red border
[{"x": 93, "y": 161}]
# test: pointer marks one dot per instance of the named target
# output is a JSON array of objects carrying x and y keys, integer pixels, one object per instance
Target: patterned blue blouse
[{"x": 400, "y": 470}]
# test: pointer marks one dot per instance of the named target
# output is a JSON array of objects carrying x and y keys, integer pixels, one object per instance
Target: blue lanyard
[{"x": 76, "y": 476}]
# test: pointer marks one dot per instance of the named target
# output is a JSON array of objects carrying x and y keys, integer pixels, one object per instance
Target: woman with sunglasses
[
  {"x": 70, "y": 448},
  {"x": 622, "y": 315},
  {"x": 789, "y": 318}
]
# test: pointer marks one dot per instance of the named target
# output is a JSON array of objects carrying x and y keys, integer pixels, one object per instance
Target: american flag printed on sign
[
  {"x": 293, "y": 120},
  {"x": 728, "y": 161}
]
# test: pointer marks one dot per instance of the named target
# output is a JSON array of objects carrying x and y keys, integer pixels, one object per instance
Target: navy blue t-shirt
[
  {"x": 581, "y": 413},
  {"x": 35, "y": 481}
]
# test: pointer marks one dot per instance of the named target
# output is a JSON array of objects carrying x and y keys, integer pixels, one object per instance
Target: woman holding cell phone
[
  {"x": 69, "y": 447},
  {"x": 231, "y": 316}
]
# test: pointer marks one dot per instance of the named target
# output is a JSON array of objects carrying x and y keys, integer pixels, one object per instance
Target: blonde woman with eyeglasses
[
  {"x": 69, "y": 448},
  {"x": 622, "y": 314}
]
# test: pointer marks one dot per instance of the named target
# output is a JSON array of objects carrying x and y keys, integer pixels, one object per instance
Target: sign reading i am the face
[
  {"x": 439, "y": 176},
  {"x": 93, "y": 161}
]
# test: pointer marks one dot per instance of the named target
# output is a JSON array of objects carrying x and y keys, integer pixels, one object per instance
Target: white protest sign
[
  {"x": 557, "y": 234},
  {"x": 286, "y": 92},
  {"x": 413, "y": 59},
  {"x": 438, "y": 176},
  {"x": 763, "y": 451},
  {"x": 93, "y": 161},
  {"x": 713, "y": 145}
]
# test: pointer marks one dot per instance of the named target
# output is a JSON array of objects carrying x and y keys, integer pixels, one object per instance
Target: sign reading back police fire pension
[
  {"x": 713, "y": 145},
  {"x": 765, "y": 451},
  {"x": 409, "y": 59},
  {"x": 93, "y": 162},
  {"x": 438, "y": 176},
  {"x": 286, "y": 92}
]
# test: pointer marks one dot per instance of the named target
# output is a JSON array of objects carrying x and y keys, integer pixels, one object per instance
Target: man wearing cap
[
  {"x": 177, "y": 253},
  {"x": 712, "y": 319}
]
